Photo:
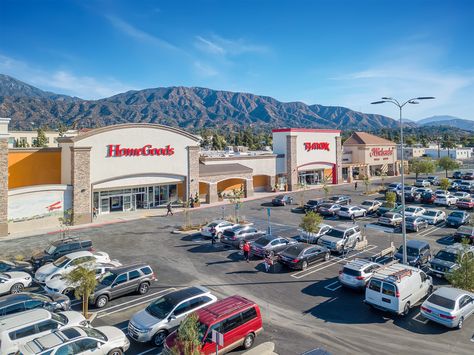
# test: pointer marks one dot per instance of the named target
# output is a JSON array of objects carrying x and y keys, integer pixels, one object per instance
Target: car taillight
[
  {"x": 153, "y": 276},
  {"x": 397, "y": 294},
  {"x": 296, "y": 260},
  {"x": 447, "y": 316},
  {"x": 360, "y": 277},
  {"x": 427, "y": 310}
]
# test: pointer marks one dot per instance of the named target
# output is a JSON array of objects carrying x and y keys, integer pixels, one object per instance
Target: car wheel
[
  {"x": 460, "y": 323},
  {"x": 143, "y": 288},
  {"x": 406, "y": 309},
  {"x": 417, "y": 229},
  {"x": 304, "y": 265},
  {"x": 17, "y": 288},
  {"x": 364, "y": 214},
  {"x": 116, "y": 351},
  {"x": 248, "y": 341},
  {"x": 159, "y": 337},
  {"x": 101, "y": 301},
  {"x": 327, "y": 256},
  {"x": 219, "y": 235}
]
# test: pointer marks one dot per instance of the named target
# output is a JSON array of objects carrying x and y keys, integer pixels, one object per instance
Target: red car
[
  {"x": 466, "y": 203},
  {"x": 236, "y": 318},
  {"x": 428, "y": 198}
]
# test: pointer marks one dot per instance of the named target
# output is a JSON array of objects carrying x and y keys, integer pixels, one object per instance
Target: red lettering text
[
  {"x": 114, "y": 150},
  {"x": 308, "y": 146}
]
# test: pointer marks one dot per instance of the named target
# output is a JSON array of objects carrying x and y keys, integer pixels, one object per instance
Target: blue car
[{"x": 458, "y": 218}]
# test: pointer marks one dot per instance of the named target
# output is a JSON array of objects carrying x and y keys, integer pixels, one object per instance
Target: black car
[
  {"x": 414, "y": 223},
  {"x": 414, "y": 196},
  {"x": 458, "y": 218},
  {"x": 446, "y": 260},
  {"x": 59, "y": 248},
  {"x": 25, "y": 301},
  {"x": 122, "y": 281},
  {"x": 457, "y": 175},
  {"x": 300, "y": 255},
  {"x": 418, "y": 253},
  {"x": 434, "y": 180},
  {"x": 282, "y": 200},
  {"x": 15, "y": 265},
  {"x": 341, "y": 199},
  {"x": 464, "y": 234},
  {"x": 236, "y": 236},
  {"x": 312, "y": 205}
]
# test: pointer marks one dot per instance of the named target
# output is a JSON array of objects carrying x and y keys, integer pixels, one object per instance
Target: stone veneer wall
[
  {"x": 193, "y": 171},
  {"x": 291, "y": 163},
  {"x": 339, "y": 160},
  {"x": 80, "y": 180},
  {"x": 3, "y": 187}
]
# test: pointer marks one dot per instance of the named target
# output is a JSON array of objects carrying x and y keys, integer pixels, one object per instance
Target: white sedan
[
  {"x": 351, "y": 212},
  {"x": 414, "y": 211},
  {"x": 14, "y": 282},
  {"x": 216, "y": 227},
  {"x": 434, "y": 216},
  {"x": 69, "y": 262},
  {"x": 445, "y": 200}
]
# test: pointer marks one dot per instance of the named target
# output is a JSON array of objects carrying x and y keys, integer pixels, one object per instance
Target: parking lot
[{"x": 302, "y": 310}]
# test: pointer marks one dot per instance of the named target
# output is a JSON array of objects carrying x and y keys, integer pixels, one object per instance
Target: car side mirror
[
  {"x": 171, "y": 317},
  {"x": 99, "y": 345}
]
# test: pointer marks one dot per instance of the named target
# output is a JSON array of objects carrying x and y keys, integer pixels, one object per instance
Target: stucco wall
[
  {"x": 364, "y": 154},
  {"x": 261, "y": 165},
  {"x": 29, "y": 167}
]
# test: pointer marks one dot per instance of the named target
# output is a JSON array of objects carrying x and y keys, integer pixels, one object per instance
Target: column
[
  {"x": 81, "y": 185},
  {"x": 271, "y": 183},
  {"x": 4, "y": 176},
  {"x": 212, "y": 195},
  {"x": 193, "y": 172},
  {"x": 339, "y": 179},
  {"x": 349, "y": 174},
  {"x": 249, "y": 187},
  {"x": 291, "y": 163},
  {"x": 367, "y": 171}
]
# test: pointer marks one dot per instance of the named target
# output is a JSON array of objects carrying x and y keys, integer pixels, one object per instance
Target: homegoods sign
[{"x": 115, "y": 151}]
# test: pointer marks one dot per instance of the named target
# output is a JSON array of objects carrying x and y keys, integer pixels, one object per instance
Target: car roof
[
  {"x": 416, "y": 243},
  {"x": 345, "y": 226},
  {"x": 185, "y": 293},
  {"x": 21, "y": 318},
  {"x": 451, "y": 292},
  {"x": 223, "y": 308},
  {"x": 125, "y": 268},
  {"x": 387, "y": 273},
  {"x": 55, "y": 338},
  {"x": 18, "y": 297},
  {"x": 219, "y": 221},
  {"x": 358, "y": 264},
  {"x": 79, "y": 254}
]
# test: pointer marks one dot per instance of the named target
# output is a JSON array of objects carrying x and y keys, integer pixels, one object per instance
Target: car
[
  {"x": 461, "y": 194},
  {"x": 447, "y": 259},
  {"x": 422, "y": 190},
  {"x": 414, "y": 211},
  {"x": 440, "y": 192},
  {"x": 455, "y": 184},
  {"x": 457, "y": 175},
  {"x": 391, "y": 219},
  {"x": 468, "y": 175},
  {"x": 466, "y": 203},
  {"x": 434, "y": 180},
  {"x": 414, "y": 223},
  {"x": 312, "y": 205},
  {"x": 458, "y": 218},
  {"x": 60, "y": 284},
  {"x": 312, "y": 238},
  {"x": 466, "y": 186},
  {"x": 434, "y": 216},
  {"x": 216, "y": 227},
  {"x": 60, "y": 248},
  {"x": 448, "y": 306},
  {"x": 14, "y": 282},
  {"x": 445, "y": 200},
  {"x": 414, "y": 196},
  {"x": 422, "y": 183},
  {"x": 341, "y": 237},
  {"x": 409, "y": 189},
  {"x": 165, "y": 313},
  {"x": 464, "y": 233},
  {"x": 371, "y": 206},
  {"x": 386, "y": 207},
  {"x": 237, "y": 235},
  {"x": 20, "y": 328},
  {"x": 122, "y": 281},
  {"x": 418, "y": 253},
  {"x": 328, "y": 209},
  {"x": 300, "y": 255},
  {"x": 269, "y": 244},
  {"x": 25, "y": 301},
  {"x": 340, "y": 199},
  {"x": 16, "y": 265},
  {"x": 394, "y": 187},
  {"x": 428, "y": 198},
  {"x": 351, "y": 212},
  {"x": 69, "y": 262},
  {"x": 105, "y": 340},
  {"x": 357, "y": 273},
  {"x": 397, "y": 288},
  {"x": 282, "y": 200},
  {"x": 238, "y": 319}
]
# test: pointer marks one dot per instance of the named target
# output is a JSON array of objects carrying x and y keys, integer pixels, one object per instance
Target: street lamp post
[{"x": 413, "y": 101}]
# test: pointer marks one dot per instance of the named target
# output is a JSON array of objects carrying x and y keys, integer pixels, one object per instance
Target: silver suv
[
  {"x": 357, "y": 273},
  {"x": 341, "y": 237},
  {"x": 165, "y": 314}
]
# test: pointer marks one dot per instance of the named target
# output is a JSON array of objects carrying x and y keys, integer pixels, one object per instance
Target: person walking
[
  {"x": 355, "y": 186},
  {"x": 169, "y": 209},
  {"x": 213, "y": 236},
  {"x": 246, "y": 250},
  {"x": 94, "y": 212},
  {"x": 268, "y": 262}
]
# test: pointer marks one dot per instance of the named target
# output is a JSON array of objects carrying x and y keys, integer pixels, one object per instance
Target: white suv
[{"x": 356, "y": 273}]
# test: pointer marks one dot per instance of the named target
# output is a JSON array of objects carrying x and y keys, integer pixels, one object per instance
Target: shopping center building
[{"x": 144, "y": 166}]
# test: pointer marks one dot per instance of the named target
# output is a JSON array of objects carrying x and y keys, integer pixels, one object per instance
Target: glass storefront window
[{"x": 173, "y": 193}]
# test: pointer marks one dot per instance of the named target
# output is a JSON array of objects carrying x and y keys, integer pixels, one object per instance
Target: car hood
[
  {"x": 74, "y": 318},
  {"x": 410, "y": 258},
  {"x": 143, "y": 319},
  {"x": 443, "y": 263},
  {"x": 100, "y": 287},
  {"x": 47, "y": 269},
  {"x": 57, "y": 297},
  {"x": 112, "y": 333},
  {"x": 56, "y": 283},
  {"x": 18, "y": 274},
  {"x": 454, "y": 219}
]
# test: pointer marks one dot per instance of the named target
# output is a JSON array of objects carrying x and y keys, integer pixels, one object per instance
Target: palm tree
[{"x": 84, "y": 282}]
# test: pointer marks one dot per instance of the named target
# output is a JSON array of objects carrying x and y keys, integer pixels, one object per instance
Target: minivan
[
  {"x": 237, "y": 318},
  {"x": 397, "y": 288}
]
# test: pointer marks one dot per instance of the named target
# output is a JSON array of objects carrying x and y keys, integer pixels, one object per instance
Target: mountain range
[
  {"x": 186, "y": 107},
  {"x": 450, "y": 121}
]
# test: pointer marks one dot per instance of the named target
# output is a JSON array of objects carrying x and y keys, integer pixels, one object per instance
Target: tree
[
  {"x": 41, "y": 140},
  {"x": 302, "y": 188},
  {"x": 447, "y": 163},
  {"x": 444, "y": 184},
  {"x": 410, "y": 141},
  {"x": 21, "y": 143},
  {"x": 188, "y": 340},
  {"x": 367, "y": 184},
  {"x": 391, "y": 198},
  {"x": 62, "y": 128},
  {"x": 422, "y": 166},
  {"x": 236, "y": 199},
  {"x": 326, "y": 189},
  {"x": 66, "y": 221},
  {"x": 84, "y": 282},
  {"x": 311, "y": 221},
  {"x": 463, "y": 277},
  {"x": 383, "y": 175},
  {"x": 218, "y": 142}
]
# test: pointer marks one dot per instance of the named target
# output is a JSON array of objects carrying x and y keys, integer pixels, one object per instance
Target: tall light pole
[{"x": 413, "y": 101}]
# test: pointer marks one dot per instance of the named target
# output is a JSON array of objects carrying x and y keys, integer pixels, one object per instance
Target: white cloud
[
  {"x": 205, "y": 70},
  {"x": 224, "y": 46}
]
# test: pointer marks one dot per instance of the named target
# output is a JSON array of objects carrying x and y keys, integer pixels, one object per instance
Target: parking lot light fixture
[{"x": 400, "y": 106}]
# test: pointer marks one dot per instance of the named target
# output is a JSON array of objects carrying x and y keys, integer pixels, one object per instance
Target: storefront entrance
[{"x": 311, "y": 177}]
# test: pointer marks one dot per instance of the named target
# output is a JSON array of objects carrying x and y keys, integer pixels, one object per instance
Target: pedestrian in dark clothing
[
  {"x": 94, "y": 212},
  {"x": 213, "y": 236},
  {"x": 355, "y": 186},
  {"x": 191, "y": 202},
  {"x": 246, "y": 250},
  {"x": 169, "y": 210}
]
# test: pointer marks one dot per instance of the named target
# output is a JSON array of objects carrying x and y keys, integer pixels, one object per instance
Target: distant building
[
  {"x": 411, "y": 152},
  {"x": 27, "y": 139},
  {"x": 455, "y": 153}
]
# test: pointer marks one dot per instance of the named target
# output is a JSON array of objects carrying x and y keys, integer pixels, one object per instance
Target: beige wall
[
  {"x": 261, "y": 165},
  {"x": 365, "y": 154}
]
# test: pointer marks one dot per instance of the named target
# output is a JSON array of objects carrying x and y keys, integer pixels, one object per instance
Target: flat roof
[{"x": 223, "y": 169}]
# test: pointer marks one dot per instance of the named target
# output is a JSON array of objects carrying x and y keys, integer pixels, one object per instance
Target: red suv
[{"x": 236, "y": 317}]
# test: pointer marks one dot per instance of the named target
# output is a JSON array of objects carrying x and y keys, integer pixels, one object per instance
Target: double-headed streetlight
[{"x": 414, "y": 101}]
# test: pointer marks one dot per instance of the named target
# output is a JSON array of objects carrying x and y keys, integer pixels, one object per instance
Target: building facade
[{"x": 27, "y": 139}]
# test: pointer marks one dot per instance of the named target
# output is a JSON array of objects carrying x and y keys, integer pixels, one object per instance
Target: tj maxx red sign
[
  {"x": 380, "y": 152},
  {"x": 114, "y": 150},
  {"x": 309, "y": 146}
]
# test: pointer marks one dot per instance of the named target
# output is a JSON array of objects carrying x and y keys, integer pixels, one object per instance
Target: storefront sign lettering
[
  {"x": 114, "y": 150},
  {"x": 308, "y": 146},
  {"x": 380, "y": 152}
]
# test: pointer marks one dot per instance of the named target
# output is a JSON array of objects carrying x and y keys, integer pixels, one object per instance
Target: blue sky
[{"x": 342, "y": 53}]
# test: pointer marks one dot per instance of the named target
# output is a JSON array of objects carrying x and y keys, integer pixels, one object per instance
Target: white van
[
  {"x": 22, "y": 327},
  {"x": 397, "y": 288}
]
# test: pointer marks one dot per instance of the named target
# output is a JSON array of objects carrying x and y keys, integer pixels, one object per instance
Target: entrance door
[
  {"x": 104, "y": 205},
  {"x": 127, "y": 202},
  {"x": 116, "y": 203}
]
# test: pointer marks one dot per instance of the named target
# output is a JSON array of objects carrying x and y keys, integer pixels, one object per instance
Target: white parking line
[
  {"x": 431, "y": 230},
  {"x": 148, "y": 351},
  {"x": 301, "y": 274},
  {"x": 336, "y": 285}
]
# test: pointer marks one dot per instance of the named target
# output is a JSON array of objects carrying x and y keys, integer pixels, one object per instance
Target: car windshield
[
  {"x": 446, "y": 256},
  {"x": 279, "y": 197},
  {"x": 393, "y": 186},
  {"x": 410, "y": 251},
  {"x": 160, "y": 308},
  {"x": 351, "y": 272},
  {"x": 263, "y": 241},
  {"x": 411, "y": 219},
  {"x": 456, "y": 214},
  {"x": 390, "y": 215},
  {"x": 427, "y": 194},
  {"x": 62, "y": 261},
  {"x": 212, "y": 225},
  {"x": 293, "y": 251},
  {"x": 94, "y": 333},
  {"x": 408, "y": 188},
  {"x": 202, "y": 329},
  {"x": 51, "y": 249},
  {"x": 430, "y": 213},
  {"x": 107, "y": 279},
  {"x": 326, "y": 205},
  {"x": 441, "y": 301},
  {"x": 367, "y": 203},
  {"x": 344, "y": 209},
  {"x": 335, "y": 233},
  {"x": 410, "y": 209},
  {"x": 60, "y": 318},
  {"x": 312, "y": 202}
]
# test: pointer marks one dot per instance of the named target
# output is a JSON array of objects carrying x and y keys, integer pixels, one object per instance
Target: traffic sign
[{"x": 217, "y": 338}]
